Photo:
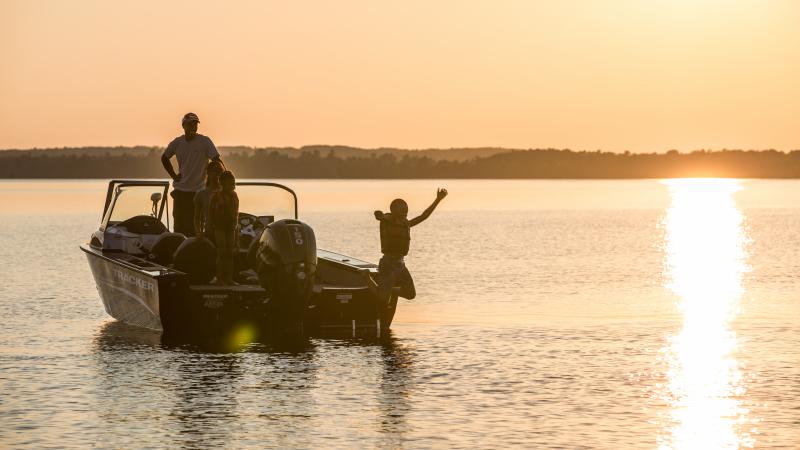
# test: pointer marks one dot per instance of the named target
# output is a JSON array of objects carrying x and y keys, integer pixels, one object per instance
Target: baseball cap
[{"x": 190, "y": 117}]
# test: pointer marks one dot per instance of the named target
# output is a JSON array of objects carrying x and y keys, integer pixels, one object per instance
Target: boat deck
[{"x": 333, "y": 256}]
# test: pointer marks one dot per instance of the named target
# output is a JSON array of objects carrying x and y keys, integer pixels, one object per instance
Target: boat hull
[
  {"x": 128, "y": 295},
  {"x": 147, "y": 295}
]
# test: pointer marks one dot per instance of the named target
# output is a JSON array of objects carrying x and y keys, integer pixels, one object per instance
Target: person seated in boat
[
  {"x": 202, "y": 225},
  {"x": 224, "y": 214},
  {"x": 395, "y": 231}
]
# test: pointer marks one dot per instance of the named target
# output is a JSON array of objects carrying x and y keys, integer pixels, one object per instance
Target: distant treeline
[{"x": 349, "y": 162}]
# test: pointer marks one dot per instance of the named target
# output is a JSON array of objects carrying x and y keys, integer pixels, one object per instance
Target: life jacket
[
  {"x": 395, "y": 236},
  {"x": 222, "y": 209}
]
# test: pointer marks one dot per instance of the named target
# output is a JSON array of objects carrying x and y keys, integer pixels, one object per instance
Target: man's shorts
[{"x": 392, "y": 272}]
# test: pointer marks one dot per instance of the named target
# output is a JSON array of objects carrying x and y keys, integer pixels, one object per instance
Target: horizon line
[{"x": 333, "y": 146}]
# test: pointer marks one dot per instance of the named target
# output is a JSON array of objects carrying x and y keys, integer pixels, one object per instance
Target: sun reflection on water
[{"x": 705, "y": 263}]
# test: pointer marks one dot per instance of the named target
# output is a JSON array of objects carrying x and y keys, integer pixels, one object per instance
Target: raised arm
[{"x": 440, "y": 194}]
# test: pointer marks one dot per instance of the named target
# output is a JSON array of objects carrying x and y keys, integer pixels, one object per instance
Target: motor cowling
[
  {"x": 286, "y": 264},
  {"x": 197, "y": 258}
]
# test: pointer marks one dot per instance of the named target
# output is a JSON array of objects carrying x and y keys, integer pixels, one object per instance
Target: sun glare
[
  {"x": 241, "y": 336},
  {"x": 705, "y": 262}
]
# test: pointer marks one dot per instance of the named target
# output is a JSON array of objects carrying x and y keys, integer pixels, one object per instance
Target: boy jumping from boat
[{"x": 395, "y": 229}]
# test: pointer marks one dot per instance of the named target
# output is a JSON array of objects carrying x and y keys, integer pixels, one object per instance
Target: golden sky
[{"x": 638, "y": 75}]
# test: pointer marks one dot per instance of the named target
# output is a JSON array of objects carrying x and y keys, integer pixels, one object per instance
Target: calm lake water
[{"x": 550, "y": 314}]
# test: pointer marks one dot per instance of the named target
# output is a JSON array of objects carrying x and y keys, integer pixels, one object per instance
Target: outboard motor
[{"x": 286, "y": 263}]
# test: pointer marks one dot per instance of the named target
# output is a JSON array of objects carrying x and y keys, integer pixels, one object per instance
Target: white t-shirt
[{"x": 193, "y": 158}]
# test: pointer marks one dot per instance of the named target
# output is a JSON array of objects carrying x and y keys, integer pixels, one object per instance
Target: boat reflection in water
[
  {"x": 209, "y": 394},
  {"x": 705, "y": 263}
]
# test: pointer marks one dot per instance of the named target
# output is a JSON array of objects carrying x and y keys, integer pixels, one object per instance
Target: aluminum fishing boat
[{"x": 151, "y": 277}]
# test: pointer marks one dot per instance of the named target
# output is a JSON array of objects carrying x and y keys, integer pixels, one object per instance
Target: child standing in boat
[
  {"x": 202, "y": 224},
  {"x": 395, "y": 229},
  {"x": 224, "y": 214}
]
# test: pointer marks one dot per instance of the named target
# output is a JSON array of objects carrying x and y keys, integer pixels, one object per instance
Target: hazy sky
[{"x": 639, "y": 75}]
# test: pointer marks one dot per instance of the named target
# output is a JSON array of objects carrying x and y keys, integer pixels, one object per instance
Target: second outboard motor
[{"x": 286, "y": 263}]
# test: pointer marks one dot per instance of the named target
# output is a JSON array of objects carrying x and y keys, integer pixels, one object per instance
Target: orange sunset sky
[{"x": 638, "y": 75}]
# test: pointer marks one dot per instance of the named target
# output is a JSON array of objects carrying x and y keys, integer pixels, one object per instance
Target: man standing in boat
[{"x": 193, "y": 151}]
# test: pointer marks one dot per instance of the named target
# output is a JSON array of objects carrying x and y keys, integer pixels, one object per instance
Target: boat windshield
[
  {"x": 135, "y": 200},
  {"x": 266, "y": 200}
]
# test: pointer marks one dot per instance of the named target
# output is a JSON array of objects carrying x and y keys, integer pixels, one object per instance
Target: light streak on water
[{"x": 705, "y": 263}]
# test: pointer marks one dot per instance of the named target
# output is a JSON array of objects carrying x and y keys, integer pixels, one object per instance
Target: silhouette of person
[
  {"x": 193, "y": 151},
  {"x": 202, "y": 224},
  {"x": 223, "y": 213},
  {"x": 395, "y": 229}
]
